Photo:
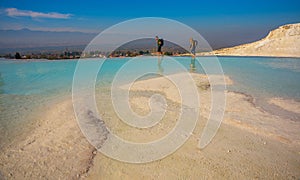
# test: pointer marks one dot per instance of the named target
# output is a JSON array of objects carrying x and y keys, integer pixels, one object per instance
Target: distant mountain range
[
  {"x": 29, "y": 40},
  {"x": 33, "y": 41},
  {"x": 149, "y": 44}
]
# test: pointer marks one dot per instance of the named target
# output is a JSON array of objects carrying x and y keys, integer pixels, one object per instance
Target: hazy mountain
[
  {"x": 149, "y": 44},
  {"x": 29, "y": 41},
  {"x": 32, "y": 41},
  {"x": 25, "y": 39}
]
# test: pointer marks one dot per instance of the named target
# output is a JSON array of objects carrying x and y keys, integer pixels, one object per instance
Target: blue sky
[
  {"x": 95, "y": 15},
  {"x": 251, "y": 19}
]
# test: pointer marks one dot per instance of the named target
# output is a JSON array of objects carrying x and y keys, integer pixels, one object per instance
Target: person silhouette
[{"x": 160, "y": 43}]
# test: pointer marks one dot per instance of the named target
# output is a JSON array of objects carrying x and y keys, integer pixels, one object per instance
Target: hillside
[
  {"x": 26, "y": 40},
  {"x": 281, "y": 42}
]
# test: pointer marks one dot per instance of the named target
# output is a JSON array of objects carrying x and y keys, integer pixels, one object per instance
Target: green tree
[{"x": 18, "y": 56}]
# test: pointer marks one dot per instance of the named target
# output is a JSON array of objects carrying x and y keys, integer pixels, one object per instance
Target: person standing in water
[
  {"x": 160, "y": 43},
  {"x": 193, "y": 45}
]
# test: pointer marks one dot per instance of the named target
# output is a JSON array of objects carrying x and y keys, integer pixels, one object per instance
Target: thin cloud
[{"x": 14, "y": 12}]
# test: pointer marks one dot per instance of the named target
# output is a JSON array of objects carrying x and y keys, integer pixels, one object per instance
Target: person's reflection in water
[
  {"x": 193, "y": 45},
  {"x": 160, "y": 69},
  {"x": 193, "y": 65}
]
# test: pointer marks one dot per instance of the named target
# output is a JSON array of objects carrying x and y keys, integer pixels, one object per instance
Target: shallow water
[{"x": 26, "y": 86}]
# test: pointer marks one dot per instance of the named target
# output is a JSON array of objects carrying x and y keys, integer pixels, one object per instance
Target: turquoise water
[
  {"x": 257, "y": 76},
  {"x": 26, "y": 85},
  {"x": 261, "y": 77}
]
